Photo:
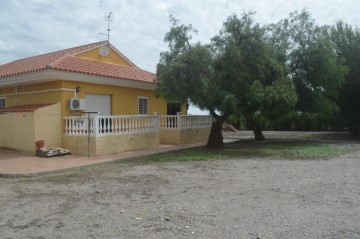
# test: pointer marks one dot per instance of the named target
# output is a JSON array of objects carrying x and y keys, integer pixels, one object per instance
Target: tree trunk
[
  {"x": 258, "y": 133},
  {"x": 215, "y": 138}
]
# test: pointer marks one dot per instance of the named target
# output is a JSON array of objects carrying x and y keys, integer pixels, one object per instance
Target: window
[
  {"x": 2, "y": 102},
  {"x": 143, "y": 105}
]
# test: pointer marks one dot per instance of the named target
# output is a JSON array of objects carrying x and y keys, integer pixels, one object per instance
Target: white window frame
[
  {"x": 140, "y": 110},
  {"x": 2, "y": 99}
]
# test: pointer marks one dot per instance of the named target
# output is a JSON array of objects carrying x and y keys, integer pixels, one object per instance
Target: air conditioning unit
[{"x": 76, "y": 104}]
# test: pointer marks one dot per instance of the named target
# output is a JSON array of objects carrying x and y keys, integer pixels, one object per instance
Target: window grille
[
  {"x": 2, "y": 102},
  {"x": 143, "y": 105}
]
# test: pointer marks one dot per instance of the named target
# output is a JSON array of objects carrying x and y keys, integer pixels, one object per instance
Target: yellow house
[
  {"x": 93, "y": 78},
  {"x": 108, "y": 81}
]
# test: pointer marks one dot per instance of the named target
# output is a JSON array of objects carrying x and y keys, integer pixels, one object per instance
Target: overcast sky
[{"x": 32, "y": 27}]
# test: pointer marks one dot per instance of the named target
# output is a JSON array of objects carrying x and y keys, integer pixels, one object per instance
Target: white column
[
  {"x": 96, "y": 125},
  {"x": 157, "y": 121},
  {"x": 178, "y": 119}
]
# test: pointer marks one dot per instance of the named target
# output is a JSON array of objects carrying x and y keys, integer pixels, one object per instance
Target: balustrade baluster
[
  {"x": 132, "y": 124},
  {"x": 90, "y": 126},
  {"x": 122, "y": 125},
  {"x": 126, "y": 124},
  {"x": 136, "y": 124},
  {"x": 73, "y": 126},
  {"x": 116, "y": 126},
  {"x": 66, "y": 127},
  {"x": 101, "y": 122}
]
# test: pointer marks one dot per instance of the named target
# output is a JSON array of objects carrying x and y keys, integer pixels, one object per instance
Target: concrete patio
[{"x": 17, "y": 164}]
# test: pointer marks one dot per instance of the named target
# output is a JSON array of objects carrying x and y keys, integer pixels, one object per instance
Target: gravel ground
[{"x": 236, "y": 198}]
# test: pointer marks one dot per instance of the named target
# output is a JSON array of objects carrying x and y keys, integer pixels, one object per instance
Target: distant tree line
[{"x": 290, "y": 75}]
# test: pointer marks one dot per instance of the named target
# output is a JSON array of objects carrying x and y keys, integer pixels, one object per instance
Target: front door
[{"x": 173, "y": 108}]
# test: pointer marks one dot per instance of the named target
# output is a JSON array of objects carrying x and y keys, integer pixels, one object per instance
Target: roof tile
[
  {"x": 40, "y": 62},
  {"x": 75, "y": 64},
  {"x": 66, "y": 60}
]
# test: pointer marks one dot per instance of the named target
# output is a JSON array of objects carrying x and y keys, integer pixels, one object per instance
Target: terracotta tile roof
[
  {"x": 75, "y": 64},
  {"x": 40, "y": 62},
  {"x": 66, "y": 61},
  {"x": 23, "y": 108}
]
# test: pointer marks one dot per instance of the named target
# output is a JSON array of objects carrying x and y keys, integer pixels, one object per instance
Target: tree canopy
[
  {"x": 261, "y": 73},
  {"x": 311, "y": 63},
  {"x": 347, "y": 48},
  {"x": 236, "y": 73}
]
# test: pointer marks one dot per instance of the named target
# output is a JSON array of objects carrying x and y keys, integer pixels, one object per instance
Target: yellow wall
[
  {"x": 184, "y": 136},
  {"x": 17, "y": 131},
  {"x": 48, "y": 125},
  {"x": 7, "y": 90},
  {"x": 183, "y": 109},
  {"x": 20, "y": 130},
  {"x": 111, "y": 144},
  {"x": 40, "y": 98},
  {"x": 112, "y": 57},
  {"x": 124, "y": 100}
]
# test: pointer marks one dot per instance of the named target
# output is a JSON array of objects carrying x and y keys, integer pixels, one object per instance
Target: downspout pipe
[{"x": 40, "y": 91}]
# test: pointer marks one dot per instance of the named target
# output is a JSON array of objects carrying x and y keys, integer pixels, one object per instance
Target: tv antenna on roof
[{"x": 109, "y": 18}]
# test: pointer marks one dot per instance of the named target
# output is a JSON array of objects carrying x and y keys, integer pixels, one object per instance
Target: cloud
[
  {"x": 39, "y": 26},
  {"x": 6, "y": 46}
]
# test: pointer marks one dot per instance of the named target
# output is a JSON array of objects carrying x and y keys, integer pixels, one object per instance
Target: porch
[{"x": 101, "y": 135}]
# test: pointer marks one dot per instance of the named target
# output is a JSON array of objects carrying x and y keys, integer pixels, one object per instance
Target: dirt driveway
[{"x": 236, "y": 198}]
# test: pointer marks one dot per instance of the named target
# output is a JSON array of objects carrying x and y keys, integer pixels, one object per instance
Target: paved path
[{"x": 15, "y": 164}]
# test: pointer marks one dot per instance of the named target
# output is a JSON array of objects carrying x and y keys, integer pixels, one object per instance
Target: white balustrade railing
[
  {"x": 78, "y": 125},
  {"x": 184, "y": 121},
  {"x": 196, "y": 121},
  {"x": 110, "y": 125},
  {"x": 118, "y": 125},
  {"x": 168, "y": 122}
]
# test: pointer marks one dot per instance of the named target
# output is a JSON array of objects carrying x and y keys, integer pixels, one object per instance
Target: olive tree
[{"x": 236, "y": 73}]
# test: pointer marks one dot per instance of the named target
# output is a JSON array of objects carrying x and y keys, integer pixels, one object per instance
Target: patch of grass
[
  {"x": 198, "y": 154},
  {"x": 308, "y": 150},
  {"x": 307, "y": 136},
  {"x": 284, "y": 150}
]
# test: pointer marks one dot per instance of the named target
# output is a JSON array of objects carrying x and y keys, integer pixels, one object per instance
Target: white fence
[
  {"x": 185, "y": 121},
  {"x": 119, "y": 125},
  {"x": 110, "y": 125}
]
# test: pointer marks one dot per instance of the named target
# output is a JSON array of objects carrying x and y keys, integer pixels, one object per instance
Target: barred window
[
  {"x": 143, "y": 105},
  {"x": 2, "y": 102}
]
